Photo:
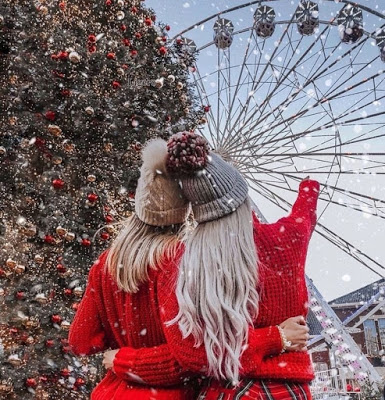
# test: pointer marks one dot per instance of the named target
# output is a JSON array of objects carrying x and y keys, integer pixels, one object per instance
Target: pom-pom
[
  {"x": 187, "y": 152},
  {"x": 154, "y": 156}
]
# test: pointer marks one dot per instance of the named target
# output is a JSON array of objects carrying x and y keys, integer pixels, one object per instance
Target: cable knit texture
[{"x": 152, "y": 353}]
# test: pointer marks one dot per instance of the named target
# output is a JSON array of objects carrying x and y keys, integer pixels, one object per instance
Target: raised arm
[{"x": 304, "y": 210}]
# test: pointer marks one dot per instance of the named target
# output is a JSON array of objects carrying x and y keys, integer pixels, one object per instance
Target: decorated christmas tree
[{"x": 83, "y": 85}]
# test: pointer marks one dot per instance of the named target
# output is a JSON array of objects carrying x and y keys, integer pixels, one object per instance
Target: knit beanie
[
  {"x": 159, "y": 200},
  {"x": 214, "y": 187}
]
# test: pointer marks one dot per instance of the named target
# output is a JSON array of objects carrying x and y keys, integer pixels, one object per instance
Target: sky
[{"x": 333, "y": 272}]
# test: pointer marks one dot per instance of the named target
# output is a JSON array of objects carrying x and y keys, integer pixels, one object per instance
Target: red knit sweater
[{"x": 134, "y": 323}]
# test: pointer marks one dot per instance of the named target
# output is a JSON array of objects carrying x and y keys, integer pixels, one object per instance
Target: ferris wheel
[{"x": 291, "y": 90}]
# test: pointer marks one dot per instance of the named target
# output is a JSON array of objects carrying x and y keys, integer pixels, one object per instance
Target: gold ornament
[
  {"x": 91, "y": 178},
  {"x": 11, "y": 263},
  {"x": 89, "y": 110},
  {"x": 41, "y": 298},
  {"x": 55, "y": 130},
  {"x": 74, "y": 57},
  {"x": 61, "y": 231},
  {"x": 2, "y": 150},
  {"x": 179, "y": 85},
  {"x": 78, "y": 291},
  {"x": 29, "y": 230},
  {"x": 14, "y": 360},
  {"x": 20, "y": 269},
  {"x": 70, "y": 236},
  {"x": 65, "y": 325},
  {"x": 39, "y": 259}
]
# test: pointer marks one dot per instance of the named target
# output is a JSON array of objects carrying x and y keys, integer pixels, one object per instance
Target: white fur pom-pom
[{"x": 154, "y": 156}]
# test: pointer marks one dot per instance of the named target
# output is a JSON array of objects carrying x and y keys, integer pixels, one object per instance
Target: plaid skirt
[{"x": 251, "y": 389}]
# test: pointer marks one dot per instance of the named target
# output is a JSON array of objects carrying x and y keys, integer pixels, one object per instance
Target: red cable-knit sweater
[{"x": 157, "y": 355}]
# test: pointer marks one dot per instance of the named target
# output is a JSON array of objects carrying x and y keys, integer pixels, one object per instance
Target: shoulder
[{"x": 99, "y": 267}]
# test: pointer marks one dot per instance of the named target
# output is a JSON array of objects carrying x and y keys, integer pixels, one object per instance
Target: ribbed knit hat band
[{"x": 214, "y": 189}]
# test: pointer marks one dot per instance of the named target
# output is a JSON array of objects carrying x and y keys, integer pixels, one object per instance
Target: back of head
[
  {"x": 151, "y": 233},
  {"x": 216, "y": 287}
]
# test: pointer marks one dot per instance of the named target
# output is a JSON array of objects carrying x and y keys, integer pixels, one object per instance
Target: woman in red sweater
[
  {"x": 274, "y": 371},
  {"x": 121, "y": 309}
]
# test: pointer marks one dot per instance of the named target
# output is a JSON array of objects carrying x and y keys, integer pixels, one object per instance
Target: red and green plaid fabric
[{"x": 250, "y": 389}]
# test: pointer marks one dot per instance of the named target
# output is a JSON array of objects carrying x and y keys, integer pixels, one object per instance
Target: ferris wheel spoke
[
  {"x": 326, "y": 233},
  {"x": 271, "y": 93},
  {"x": 303, "y": 112},
  {"x": 266, "y": 67},
  {"x": 204, "y": 100}
]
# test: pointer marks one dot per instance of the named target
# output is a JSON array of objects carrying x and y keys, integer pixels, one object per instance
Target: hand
[
  {"x": 108, "y": 358},
  {"x": 297, "y": 332}
]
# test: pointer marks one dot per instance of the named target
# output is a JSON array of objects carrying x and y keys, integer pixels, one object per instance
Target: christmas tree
[{"x": 83, "y": 85}]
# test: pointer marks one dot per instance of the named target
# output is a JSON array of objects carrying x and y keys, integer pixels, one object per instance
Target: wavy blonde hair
[
  {"x": 137, "y": 248},
  {"x": 217, "y": 289}
]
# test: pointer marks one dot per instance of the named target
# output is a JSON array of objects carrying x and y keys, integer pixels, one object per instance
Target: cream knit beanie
[{"x": 158, "y": 200}]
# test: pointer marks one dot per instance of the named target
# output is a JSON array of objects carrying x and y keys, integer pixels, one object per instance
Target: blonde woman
[{"x": 212, "y": 293}]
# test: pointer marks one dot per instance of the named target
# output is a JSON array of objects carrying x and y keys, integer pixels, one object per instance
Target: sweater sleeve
[
  {"x": 86, "y": 334},
  {"x": 181, "y": 354},
  {"x": 304, "y": 210}
]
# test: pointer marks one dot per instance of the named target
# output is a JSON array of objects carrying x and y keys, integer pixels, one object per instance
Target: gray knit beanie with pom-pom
[{"x": 214, "y": 187}]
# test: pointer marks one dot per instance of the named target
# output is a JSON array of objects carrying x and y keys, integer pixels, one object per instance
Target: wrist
[{"x": 285, "y": 343}]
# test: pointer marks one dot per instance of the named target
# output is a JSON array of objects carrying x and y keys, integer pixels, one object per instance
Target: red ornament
[
  {"x": 123, "y": 28},
  {"x": 131, "y": 195},
  {"x": 31, "y": 382},
  {"x": 108, "y": 2},
  {"x": 116, "y": 84},
  {"x": 56, "y": 319},
  {"x": 14, "y": 331},
  {"x": 148, "y": 21},
  {"x": 54, "y": 57},
  {"x": 49, "y": 343},
  {"x": 58, "y": 183},
  {"x": 86, "y": 242},
  {"x": 43, "y": 379},
  {"x": 64, "y": 341},
  {"x": 167, "y": 118},
  {"x": 80, "y": 382},
  {"x": 105, "y": 235},
  {"x": 206, "y": 109},
  {"x": 68, "y": 292},
  {"x": 66, "y": 349},
  {"x": 126, "y": 42},
  {"x": 134, "y": 10},
  {"x": 138, "y": 35},
  {"x": 92, "y": 49},
  {"x": 62, "y": 5},
  {"x": 92, "y": 38},
  {"x": 63, "y": 55},
  {"x": 179, "y": 41},
  {"x": 65, "y": 372},
  {"x": 61, "y": 268},
  {"x": 162, "y": 51},
  {"x": 49, "y": 239},
  {"x": 50, "y": 115},
  {"x": 75, "y": 306},
  {"x": 168, "y": 27},
  {"x": 2, "y": 273},
  {"x": 134, "y": 53},
  {"x": 92, "y": 197},
  {"x": 65, "y": 93},
  {"x": 110, "y": 56},
  {"x": 109, "y": 218},
  {"x": 20, "y": 295}
]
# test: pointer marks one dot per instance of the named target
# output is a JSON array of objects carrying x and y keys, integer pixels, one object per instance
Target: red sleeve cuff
[{"x": 123, "y": 362}]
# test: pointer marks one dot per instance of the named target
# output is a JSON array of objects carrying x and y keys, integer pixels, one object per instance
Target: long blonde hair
[
  {"x": 137, "y": 248},
  {"x": 217, "y": 289}
]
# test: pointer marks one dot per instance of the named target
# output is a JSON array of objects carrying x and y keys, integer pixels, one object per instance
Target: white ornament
[
  {"x": 74, "y": 57},
  {"x": 159, "y": 82},
  {"x": 89, "y": 110},
  {"x": 171, "y": 78}
]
